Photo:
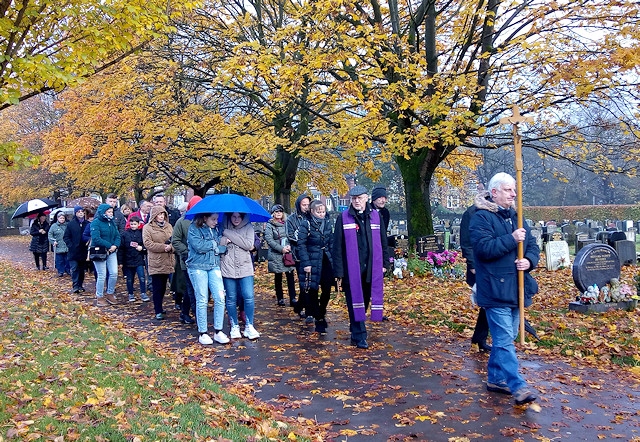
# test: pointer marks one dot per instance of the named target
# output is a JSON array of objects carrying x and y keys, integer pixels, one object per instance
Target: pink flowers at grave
[{"x": 445, "y": 259}]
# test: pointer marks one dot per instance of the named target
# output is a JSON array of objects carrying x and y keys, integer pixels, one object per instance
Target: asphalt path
[{"x": 409, "y": 385}]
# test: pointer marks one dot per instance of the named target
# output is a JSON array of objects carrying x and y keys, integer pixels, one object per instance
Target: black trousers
[
  {"x": 291, "y": 285},
  {"x": 481, "y": 331},
  {"x": 358, "y": 329},
  {"x": 159, "y": 289}
]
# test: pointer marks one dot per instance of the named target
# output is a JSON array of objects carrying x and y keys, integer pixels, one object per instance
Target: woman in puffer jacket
[
  {"x": 237, "y": 270},
  {"x": 156, "y": 236},
  {"x": 315, "y": 241},
  {"x": 275, "y": 234}
]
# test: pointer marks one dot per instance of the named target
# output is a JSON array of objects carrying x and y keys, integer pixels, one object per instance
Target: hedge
[{"x": 580, "y": 213}]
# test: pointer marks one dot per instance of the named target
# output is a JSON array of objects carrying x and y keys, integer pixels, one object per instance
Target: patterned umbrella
[
  {"x": 86, "y": 202},
  {"x": 33, "y": 207}
]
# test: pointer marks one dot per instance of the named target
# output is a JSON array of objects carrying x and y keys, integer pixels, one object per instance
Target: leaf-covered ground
[{"x": 420, "y": 380}]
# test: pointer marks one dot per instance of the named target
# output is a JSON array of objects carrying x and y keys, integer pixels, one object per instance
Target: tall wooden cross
[{"x": 515, "y": 120}]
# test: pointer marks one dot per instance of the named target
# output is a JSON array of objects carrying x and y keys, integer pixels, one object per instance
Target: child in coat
[{"x": 131, "y": 256}]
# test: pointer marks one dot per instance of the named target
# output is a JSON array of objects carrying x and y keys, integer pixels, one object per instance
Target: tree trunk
[
  {"x": 417, "y": 174},
  {"x": 284, "y": 175}
]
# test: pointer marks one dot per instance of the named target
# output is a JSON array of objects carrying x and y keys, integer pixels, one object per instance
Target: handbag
[
  {"x": 287, "y": 259},
  {"x": 98, "y": 253}
]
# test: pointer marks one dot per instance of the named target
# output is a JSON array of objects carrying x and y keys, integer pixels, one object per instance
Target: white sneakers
[
  {"x": 221, "y": 338},
  {"x": 250, "y": 332},
  {"x": 205, "y": 339},
  {"x": 235, "y": 332}
]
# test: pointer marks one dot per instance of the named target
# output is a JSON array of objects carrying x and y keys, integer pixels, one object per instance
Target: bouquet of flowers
[
  {"x": 442, "y": 260},
  {"x": 443, "y": 264}
]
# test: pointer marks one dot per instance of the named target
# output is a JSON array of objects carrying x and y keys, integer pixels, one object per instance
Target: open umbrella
[
  {"x": 86, "y": 202},
  {"x": 229, "y": 202},
  {"x": 33, "y": 207}
]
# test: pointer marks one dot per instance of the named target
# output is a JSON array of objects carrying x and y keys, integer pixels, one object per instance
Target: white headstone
[{"x": 557, "y": 253}]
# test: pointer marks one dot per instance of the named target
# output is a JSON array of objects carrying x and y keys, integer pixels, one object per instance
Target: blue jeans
[
  {"x": 244, "y": 287},
  {"x": 129, "y": 274},
  {"x": 205, "y": 281},
  {"x": 62, "y": 263},
  {"x": 503, "y": 362},
  {"x": 102, "y": 267}
]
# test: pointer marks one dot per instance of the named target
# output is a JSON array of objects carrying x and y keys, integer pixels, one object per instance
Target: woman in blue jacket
[{"x": 203, "y": 266}]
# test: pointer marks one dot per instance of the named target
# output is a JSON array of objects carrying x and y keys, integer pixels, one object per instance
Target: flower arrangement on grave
[{"x": 444, "y": 264}]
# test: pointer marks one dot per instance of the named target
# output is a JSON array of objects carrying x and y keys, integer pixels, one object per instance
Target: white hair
[{"x": 499, "y": 179}]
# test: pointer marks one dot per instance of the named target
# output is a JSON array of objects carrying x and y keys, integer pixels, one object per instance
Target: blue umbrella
[{"x": 229, "y": 203}]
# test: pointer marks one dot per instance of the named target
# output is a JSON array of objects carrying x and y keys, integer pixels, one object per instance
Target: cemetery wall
[{"x": 610, "y": 211}]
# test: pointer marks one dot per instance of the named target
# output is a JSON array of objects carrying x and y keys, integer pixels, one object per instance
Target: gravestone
[
  {"x": 626, "y": 252},
  {"x": 557, "y": 254},
  {"x": 569, "y": 231},
  {"x": 446, "y": 238},
  {"x": 557, "y": 236},
  {"x": 537, "y": 234},
  {"x": 603, "y": 237},
  {"x": 400, "y": 244},
  {"x": 455, "y": 236},
  {"x": 581, "y": 242},
  {"x": 616, "y": 236},
  {"x": 595, "y": 264},
  {"x": 631, "y": 234},
  {"x": 263, "y": 250},
  {"x": 429, "y": 243}
]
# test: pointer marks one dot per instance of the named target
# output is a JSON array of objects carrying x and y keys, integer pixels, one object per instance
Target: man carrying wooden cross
[{"x": 496, "y": 238}]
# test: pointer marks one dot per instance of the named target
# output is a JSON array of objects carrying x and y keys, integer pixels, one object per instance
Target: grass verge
[{"x": 66, "y": 375}]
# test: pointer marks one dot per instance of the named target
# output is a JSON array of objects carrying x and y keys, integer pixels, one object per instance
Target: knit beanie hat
[
  {"x": 76, "y": 209},
  {"x": 377, "y": 192}
]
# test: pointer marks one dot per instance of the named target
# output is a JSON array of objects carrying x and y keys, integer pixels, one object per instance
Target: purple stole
[{"x": 353, "y": 266}]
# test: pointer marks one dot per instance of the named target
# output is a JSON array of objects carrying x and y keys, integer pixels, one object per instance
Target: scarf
[{"x": 353, "y": 266}]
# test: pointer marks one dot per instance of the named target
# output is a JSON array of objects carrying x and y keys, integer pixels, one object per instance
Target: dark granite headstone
[
  {"x": 400, "y": 245},
  {"x": 626, "y": 252},
  {"x": 569, "y": 231},
  {"x": 603, "y": 236},
  {"x": 580, "y": 243},
  {"x": 595, "y": 264},
  {"x": 616, "y": 236},
  {"x": 429, "y": 243}
]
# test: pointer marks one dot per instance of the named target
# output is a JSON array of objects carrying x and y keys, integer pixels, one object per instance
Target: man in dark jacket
[
  {"x": 360, "y": 258},
  {"x": 495, "y": 237},
  {"x": 292, "y": 227},
  {"x": 77, "y": 248},
  {"x": 378, "y": 202},
  {"x": 481, "y": 331},
  {"x": 118, "y": 217}
]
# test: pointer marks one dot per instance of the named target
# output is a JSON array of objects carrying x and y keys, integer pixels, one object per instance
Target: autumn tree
[
  {"x": 441, "y": 74},
  {"x": 46, "y": 45},
  {"x": 22, "y": 126},
  {"x": 268, "y": 61},
  {"x": 137, "y": 128}
]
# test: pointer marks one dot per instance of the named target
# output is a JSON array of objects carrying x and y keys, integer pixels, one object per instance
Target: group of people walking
[
  {"x": 215, "y": 257},
  {"x": 352, "y": 250}
]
